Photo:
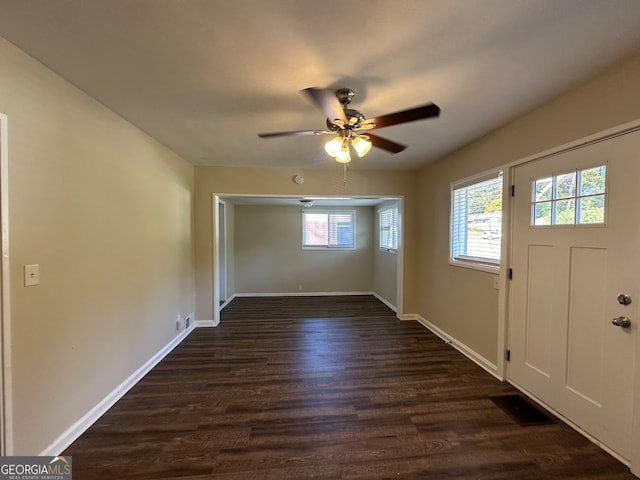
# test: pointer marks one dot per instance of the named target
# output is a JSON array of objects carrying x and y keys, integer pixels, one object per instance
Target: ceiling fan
[{"x": 347, "y": 125}]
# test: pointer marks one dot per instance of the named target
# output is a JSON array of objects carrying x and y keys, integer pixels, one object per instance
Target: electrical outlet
[{"x": 179, "y": 323}]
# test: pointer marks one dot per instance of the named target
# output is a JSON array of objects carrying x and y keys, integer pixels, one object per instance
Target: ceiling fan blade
[
  {"x": 294, "y": 133},
  {"x": 327, "y": 101},
  {"x": 411, "y": 115},
  {"x": 385, "y": 144}
]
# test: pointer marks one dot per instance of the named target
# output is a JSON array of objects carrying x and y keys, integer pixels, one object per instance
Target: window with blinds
[
  {"x": 476, "y": 221},
  {"x": 329, "y": 229},
  {"x": 389, "y": 234}
]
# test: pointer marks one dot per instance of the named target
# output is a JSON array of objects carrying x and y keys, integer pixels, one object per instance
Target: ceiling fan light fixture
[
  {"x": 333, "y": 146},
  {"x": 361, "y": 146},
  {"x": 344, "y": 156}
]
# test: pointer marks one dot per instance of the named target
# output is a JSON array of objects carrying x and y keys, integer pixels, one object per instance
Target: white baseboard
[
  {"x": 461, "y": 347},
  {"x": 80, "y": 426},
  {"x": 206, "y": 323},
  {"x": 227, "y": 301},
  {"x": 300, "y": 294},
  {"x": 388, "y": 304}
]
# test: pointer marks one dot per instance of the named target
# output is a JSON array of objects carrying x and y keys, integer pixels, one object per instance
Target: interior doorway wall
[
  {"x": 220, "y": 237},
  {"x": 5, "y": 352},
  {"x": 222, "y": 251}
]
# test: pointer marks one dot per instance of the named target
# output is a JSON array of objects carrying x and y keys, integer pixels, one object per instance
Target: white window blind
[
  {"x": 476, "y": 221},
  {"x": 389, "y": 233},
  {"x": 331, "y": 229}
]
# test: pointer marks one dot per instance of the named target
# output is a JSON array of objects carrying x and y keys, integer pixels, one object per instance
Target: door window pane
[
  {"x": 542, "y": 213},
  {"x": 565, "y": 213},
  {"x": 591, "y": 209},
  {"x": 565, "y": 185},
  {"x": 592, "y": 180},
  {"x": 543, "y": 189}
]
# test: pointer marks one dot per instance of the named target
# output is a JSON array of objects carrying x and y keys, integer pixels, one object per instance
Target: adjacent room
[
  {"x": 285, "y": 246},
  {"x": 296, "y": 239}
]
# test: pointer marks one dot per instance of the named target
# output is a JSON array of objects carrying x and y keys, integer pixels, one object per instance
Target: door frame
[
  {"x": 215, "y": 259},
  {"x": 217, "y": 198},
  {"x": 222, "y": 251},
  {"x": 6, "y": 411},
  {"x": 503, "y": 305}
]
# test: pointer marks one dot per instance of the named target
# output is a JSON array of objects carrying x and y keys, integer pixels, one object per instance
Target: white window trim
[
  {"x": 471, "y": 262},
  {"x": 379, "y": 213},
  {"x": 328, "y": 247}
]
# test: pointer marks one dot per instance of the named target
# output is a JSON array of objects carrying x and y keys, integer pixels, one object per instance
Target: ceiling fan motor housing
[
  {"x": 345, "y": 95},
  {"x": 354, "y": 117}
]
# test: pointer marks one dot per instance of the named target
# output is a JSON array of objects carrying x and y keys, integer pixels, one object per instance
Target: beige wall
[
  {"x": 463, "y": 302},
  {"x": 279, "y": 181},
  {"x": 269, "y": 257},
  {"x": 107, "y": 214}
]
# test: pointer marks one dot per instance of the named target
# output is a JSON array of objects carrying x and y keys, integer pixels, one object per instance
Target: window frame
[
  {"x": 394, "y": 228},
  {"x": 469, "y": 261},
  {"x": 329, "y": 212},
  {"x": 577, "y": 197}
]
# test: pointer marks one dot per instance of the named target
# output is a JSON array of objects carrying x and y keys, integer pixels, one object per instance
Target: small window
[
  {"x": 574, "y": 198},
  {"x": 331, "y": 229},
  {"x": 388, "y": 237},
  {"x": 476, "y": 222}
]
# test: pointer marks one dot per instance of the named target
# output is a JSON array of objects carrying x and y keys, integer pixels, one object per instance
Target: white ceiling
[{"x": 205, "y": 76}]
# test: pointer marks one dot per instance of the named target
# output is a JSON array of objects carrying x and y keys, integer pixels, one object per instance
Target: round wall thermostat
[{"x": 299, "y": 179}]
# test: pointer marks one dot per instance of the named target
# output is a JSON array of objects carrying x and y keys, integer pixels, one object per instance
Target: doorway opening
[{"x": 225, "y": 255}]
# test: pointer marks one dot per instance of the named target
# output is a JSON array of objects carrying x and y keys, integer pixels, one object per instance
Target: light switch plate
[{"x": 31, "y": 275}]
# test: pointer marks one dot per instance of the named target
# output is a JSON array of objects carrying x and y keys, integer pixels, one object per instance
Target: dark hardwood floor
[{"x": 328, "y": 388}]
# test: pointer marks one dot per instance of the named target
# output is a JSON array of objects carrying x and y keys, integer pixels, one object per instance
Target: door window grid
[{"x": 574, "y": 198}]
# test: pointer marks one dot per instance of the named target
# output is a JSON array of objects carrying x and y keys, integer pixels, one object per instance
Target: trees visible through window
[
  {"x": 574, "y": 198},
  {"x": 328, "y": 229},
  {"x": 476, "y": 221}
]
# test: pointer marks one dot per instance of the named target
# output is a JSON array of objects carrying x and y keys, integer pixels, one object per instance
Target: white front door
[{"x": 575, "y": 249}]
